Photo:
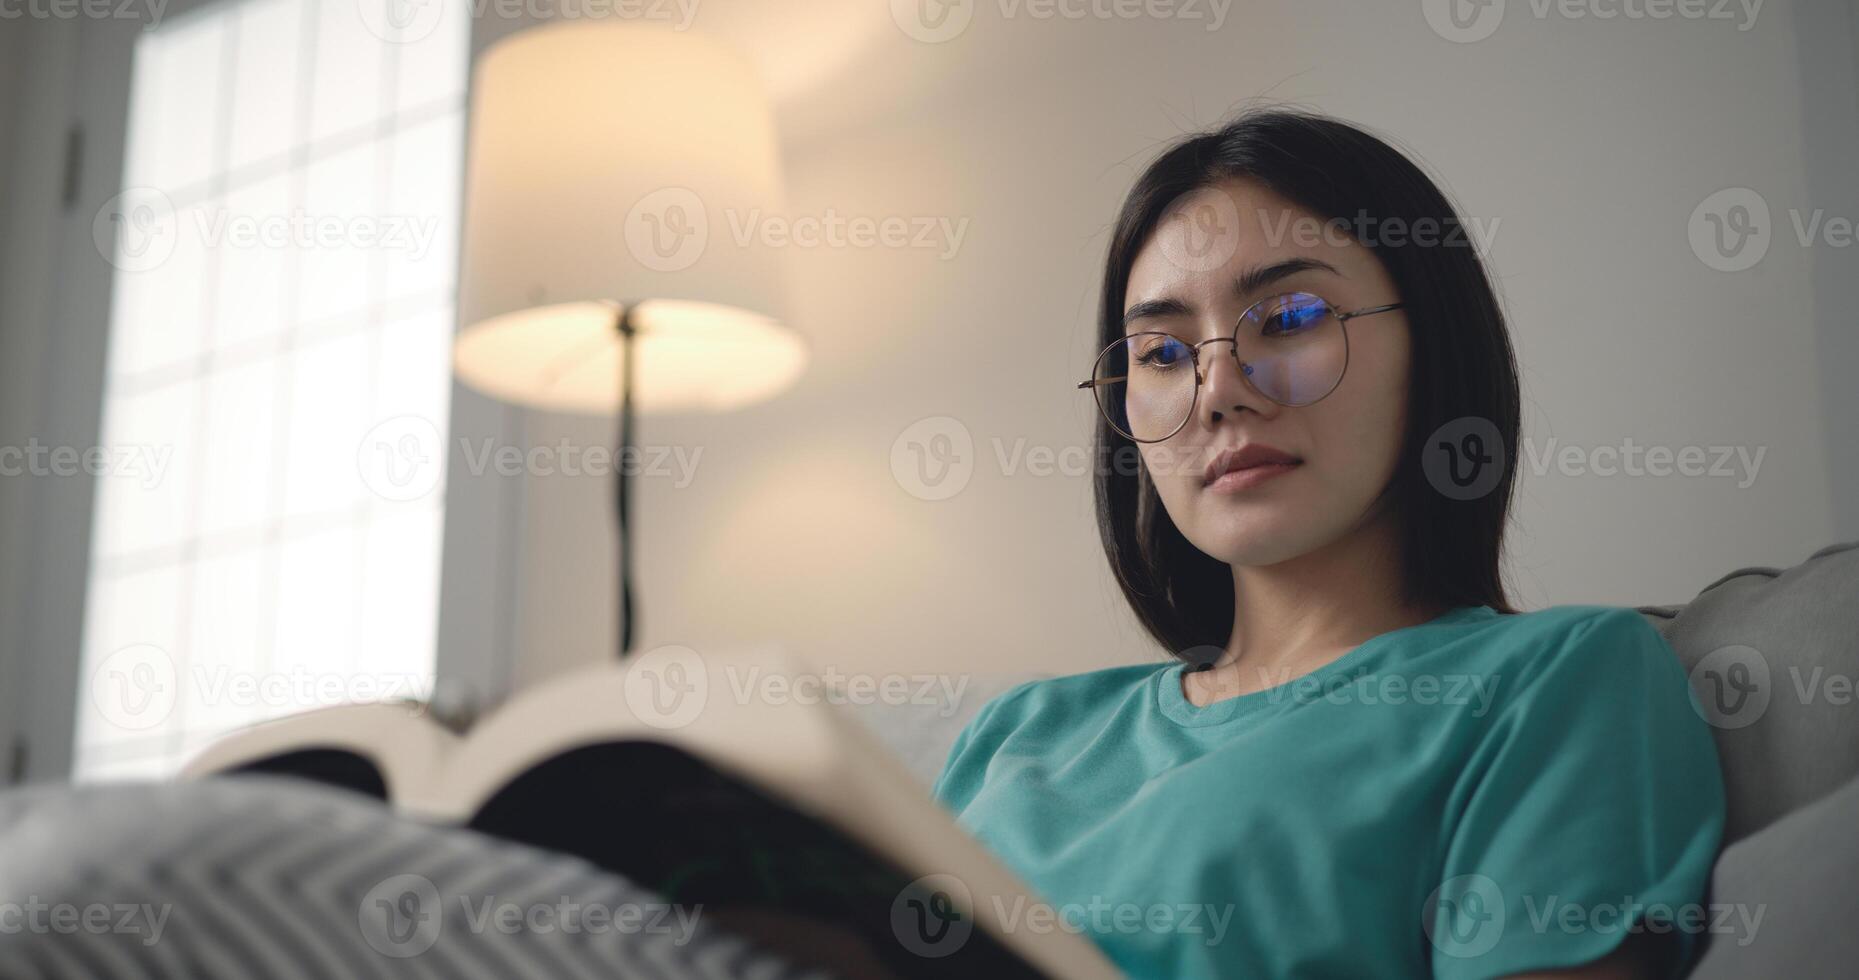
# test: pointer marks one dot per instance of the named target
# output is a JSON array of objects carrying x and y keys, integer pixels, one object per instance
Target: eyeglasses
[{"x": 1291, "y": 348}]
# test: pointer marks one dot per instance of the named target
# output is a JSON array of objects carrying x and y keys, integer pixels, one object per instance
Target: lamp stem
[{"x": 621, "y": 502}]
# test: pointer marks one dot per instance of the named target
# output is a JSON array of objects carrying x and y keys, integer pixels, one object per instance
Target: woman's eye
[
  {"x": 1165, "y": 353},
  {"x": 1294, "y": 318}
]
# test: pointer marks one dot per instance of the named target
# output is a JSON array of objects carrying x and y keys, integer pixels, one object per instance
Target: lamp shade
[{"x": 611, "y": 164}]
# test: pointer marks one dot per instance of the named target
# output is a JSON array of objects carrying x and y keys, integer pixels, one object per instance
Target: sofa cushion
[
  {"x": 259, "y": 876},
  {"x": 1773, "y": 656},
  {"x": 1782, "y": 900}
]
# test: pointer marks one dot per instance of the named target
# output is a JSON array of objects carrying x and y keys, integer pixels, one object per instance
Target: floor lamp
[{"x": 601, "y": 157}]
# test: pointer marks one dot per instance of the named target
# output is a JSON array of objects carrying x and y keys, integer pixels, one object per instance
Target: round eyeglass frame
[{"x": 1194, "y": 353}]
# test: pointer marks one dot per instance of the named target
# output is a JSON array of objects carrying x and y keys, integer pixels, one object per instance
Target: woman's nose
[{"x": 1224, "y": 388}]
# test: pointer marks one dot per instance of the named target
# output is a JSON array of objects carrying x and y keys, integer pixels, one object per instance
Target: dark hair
[{"x": 1462, "y": 367}]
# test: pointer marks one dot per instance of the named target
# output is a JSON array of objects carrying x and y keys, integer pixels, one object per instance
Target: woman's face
[{"x": 1187, "y": 281}]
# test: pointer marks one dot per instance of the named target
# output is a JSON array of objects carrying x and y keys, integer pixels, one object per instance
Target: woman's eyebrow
[
  {"x": 1154, "y": 307},
  {"x": 1244, "y": 285},
  {"x": 1259, "y": 277}
]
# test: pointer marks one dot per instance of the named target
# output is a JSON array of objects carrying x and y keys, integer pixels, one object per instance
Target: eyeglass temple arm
[{"x": 1346, "y": 317}]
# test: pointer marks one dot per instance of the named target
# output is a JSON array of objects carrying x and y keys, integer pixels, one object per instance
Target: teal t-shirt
[{"x": 1475, "y": 796}]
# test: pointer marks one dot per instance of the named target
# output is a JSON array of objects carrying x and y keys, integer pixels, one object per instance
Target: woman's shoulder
[
  {"x": 1035, "y": 710},
  {"x": 1566, "y": 620},
  {"x": 1568, "y": 648},
  {"x": 1072, "y": 691}
]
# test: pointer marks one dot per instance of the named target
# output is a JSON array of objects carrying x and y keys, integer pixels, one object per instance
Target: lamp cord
[{"x": 621, "y": 501}]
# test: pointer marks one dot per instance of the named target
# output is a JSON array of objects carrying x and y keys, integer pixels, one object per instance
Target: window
[{"x": 267, "y": 526}]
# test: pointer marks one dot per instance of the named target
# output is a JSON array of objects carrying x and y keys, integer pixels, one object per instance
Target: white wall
[{"x": 1589, "y": 142}]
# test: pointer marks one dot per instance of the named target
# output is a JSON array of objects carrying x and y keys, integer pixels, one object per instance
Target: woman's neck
[{"x": 1298, "y": 615}]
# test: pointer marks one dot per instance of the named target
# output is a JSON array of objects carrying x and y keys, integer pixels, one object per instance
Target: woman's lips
[{"x": 1237, "y": 480}]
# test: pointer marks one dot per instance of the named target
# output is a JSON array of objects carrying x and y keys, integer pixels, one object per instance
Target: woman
[{"x": 1362, "y": 762}]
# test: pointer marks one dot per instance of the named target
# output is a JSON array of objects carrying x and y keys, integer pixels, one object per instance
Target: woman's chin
[{"x": 1266, "y": 547}]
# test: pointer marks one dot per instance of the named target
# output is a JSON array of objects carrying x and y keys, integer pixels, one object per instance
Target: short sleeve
[
  {"x": 966, "y": 764},
  {"x": 1592, "y": 808}
]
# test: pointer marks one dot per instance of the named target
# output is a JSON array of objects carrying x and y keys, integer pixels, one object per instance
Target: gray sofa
[{"x": 1774, "y": 657}]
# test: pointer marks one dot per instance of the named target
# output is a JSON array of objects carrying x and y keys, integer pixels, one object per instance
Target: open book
[{"x": 784, "y": 819}]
